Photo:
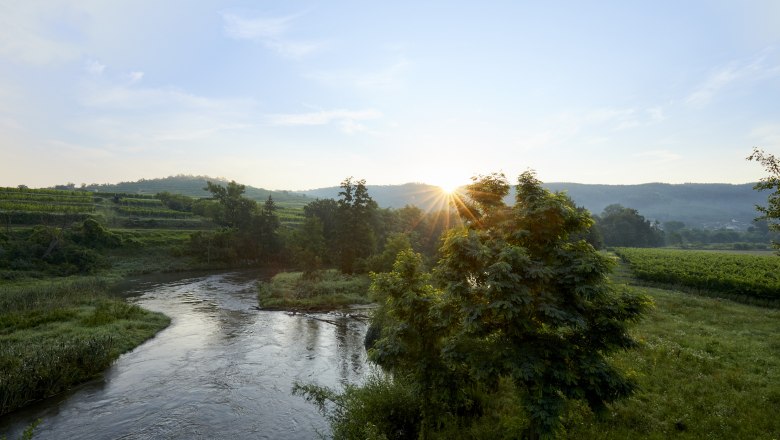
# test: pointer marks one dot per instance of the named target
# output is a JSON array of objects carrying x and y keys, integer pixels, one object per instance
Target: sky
[{"x": 301, "y": 94}]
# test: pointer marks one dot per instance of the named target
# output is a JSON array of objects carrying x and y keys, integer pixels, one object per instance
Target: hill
[
  {"x": 698, "y": 205},
  {"x": 192, "y": 186}
]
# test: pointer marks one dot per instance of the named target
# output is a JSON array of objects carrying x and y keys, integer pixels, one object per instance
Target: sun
[
  {"x": 450, "y": 186},
  {"x": 449, "y": 189}
]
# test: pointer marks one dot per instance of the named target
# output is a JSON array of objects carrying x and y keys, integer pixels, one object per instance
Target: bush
[{"x": 382, "y": 408}]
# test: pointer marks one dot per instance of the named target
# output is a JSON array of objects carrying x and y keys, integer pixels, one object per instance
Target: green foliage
[
  {"x": 57, "y": 251},
  {"x": 770, "y": 212},
  {"x": 55, "y": 335},
  {"x": 716, "y": 273},
  {"x": 382, "y": 408},
  {"x": 318, "y": 290},
  {"x": 307, "y": 245},
  {"x": 250, "y": 235},
  {"x": 515, "y": 297},
  {"x": 396, "y": 243},
  {"x": 620, "y": 226},
  {"x": 706, "y": 369},
  {"x": 236, "y": 210},
  {"x": 356, "y": 235},
  {"x": 176, "y": 202},
  {"x": 143, "y": 211}
]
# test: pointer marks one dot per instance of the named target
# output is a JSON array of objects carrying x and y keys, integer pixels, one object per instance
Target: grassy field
[
  {"x": 322, "y": 290},
  {"x": 54, "y": 334},
  {"x": 706, "y": 368}
]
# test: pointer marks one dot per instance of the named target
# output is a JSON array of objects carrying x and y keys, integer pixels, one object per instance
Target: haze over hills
[{"x": 698, "y": 205}]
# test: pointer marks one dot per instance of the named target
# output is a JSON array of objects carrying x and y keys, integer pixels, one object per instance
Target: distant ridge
[
  {"x": 190, "y": 186},
  {"x": 699, "y": 205}
]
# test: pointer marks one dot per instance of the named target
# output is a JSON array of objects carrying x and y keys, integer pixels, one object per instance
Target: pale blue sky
[{"x": 297, "y": 95}]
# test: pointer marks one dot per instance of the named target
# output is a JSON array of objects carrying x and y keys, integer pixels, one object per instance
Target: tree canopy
[
  {"x": 770, "y": 212},
  {"x": 621, "y": 226},
  {"x": 517, "y": 296}
]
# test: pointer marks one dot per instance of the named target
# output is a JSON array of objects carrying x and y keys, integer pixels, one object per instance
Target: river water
[{"x": 222, "y": 369}]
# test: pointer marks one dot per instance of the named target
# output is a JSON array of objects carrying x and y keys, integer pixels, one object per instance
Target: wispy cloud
[
  {"x": 348, "y": 120},
  {"x": 389, "y": 77},
  {"x": 124, "y": 115},
  {"x": 269, "y": 31},
  {"x": 134, "y": 77},
  {"x": 735, "y": 73},
  {"x": 26, "y": 35},
  {"x": 94, "y": 67}
]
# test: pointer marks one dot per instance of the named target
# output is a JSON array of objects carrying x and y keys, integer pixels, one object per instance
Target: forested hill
[
  {"x": 422, "y": 195},
  {"x": 192, "y": 186},
  {"x": 698, "y": 205}
]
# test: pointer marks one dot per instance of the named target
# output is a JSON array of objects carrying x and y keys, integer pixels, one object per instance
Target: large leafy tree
[
  {"x": 621, "y": 226},
  {"x": 356, "y": 218},
  {"x": 250, "y": 235},
  {"x": 771, "y": 212},
  {"x": 236, "y": 210},
  {"x": 516, "y": 297}
]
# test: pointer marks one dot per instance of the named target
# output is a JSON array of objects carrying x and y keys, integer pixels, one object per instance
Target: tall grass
[
  {"x": 54, "y": 335},
  {"x": 321, "y": 290}
]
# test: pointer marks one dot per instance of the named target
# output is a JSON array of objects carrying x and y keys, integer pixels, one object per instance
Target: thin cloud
[
  {"x": 135, "y": 77},
  {"x": 270, "y": 32},
  {"x": 129, "y": 116},
  {"x": 94, "y": 67},
  {"x": 387, "y": 78},
  {"x": 730, "y": 75},
  {"x": 26, "y": 37},
  {"x": 348, "y": 120}
]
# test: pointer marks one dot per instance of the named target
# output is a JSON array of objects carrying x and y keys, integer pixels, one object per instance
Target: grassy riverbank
[
  {"x": 322, "y": 290},
  {"x": 57, "y": 333}
]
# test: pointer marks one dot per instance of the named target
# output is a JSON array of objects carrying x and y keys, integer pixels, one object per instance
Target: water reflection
[{"x": 222, "y": 369}]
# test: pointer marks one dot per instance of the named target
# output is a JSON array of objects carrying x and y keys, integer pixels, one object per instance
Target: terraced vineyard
[
  {"x": 751, "y": 276},
  {"x": 27, "y": 207}
]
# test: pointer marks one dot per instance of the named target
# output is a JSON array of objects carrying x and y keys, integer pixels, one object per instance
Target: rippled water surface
[{"x": 221, "y": 370}]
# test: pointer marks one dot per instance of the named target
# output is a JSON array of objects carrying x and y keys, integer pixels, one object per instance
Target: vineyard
[
  {"x": 26, "y": 207},
  {"x": 731, "y": 274}
]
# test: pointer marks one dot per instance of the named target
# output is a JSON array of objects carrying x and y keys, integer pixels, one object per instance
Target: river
[{"x": 222, "y": 369}]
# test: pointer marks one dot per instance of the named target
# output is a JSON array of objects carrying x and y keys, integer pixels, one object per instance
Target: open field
[
  {"x": 706, "y": 368},
  {"x": 738, "y": 275}
]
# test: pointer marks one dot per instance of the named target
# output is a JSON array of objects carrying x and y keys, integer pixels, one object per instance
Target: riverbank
[
  {"x": 218, "y": 362},
  {"x": 56, "y": 333}
]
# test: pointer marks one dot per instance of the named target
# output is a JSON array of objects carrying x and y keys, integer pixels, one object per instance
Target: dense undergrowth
[
  {"x": 56, "y": 334},
  {"x": 319, "y": 290}
]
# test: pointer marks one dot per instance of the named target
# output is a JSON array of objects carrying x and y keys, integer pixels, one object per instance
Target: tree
[
  {"x": 517, "y": 296},
  {"x": 621, "y": 226},
  {"x": 326, "y": 211},
  {"x": 250, "y": 234},
  {"x": 771, "y": 212},
  {"x": 356, "y": 235},
  {"x": 236, "y": 210},
  {"x": 307, "y": 245}
]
